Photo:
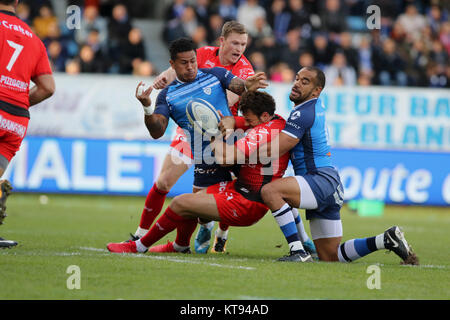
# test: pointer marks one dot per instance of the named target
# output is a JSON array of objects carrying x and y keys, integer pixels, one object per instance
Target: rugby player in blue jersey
[
  {"x": 316, "y": 185},
  {"x": 191, "y": 82}
]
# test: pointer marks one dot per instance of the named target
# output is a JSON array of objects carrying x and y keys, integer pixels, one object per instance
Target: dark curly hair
[
  {"x": 257, "y": 102},
  {"x": 181, "y": 45}
]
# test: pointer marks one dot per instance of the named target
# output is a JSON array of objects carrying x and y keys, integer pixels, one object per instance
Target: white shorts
[
  {"x": 323, "y": 228},
  {"x": 307, "y": 198}
]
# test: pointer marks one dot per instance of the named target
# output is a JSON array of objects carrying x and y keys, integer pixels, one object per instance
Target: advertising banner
[
  {"x": 390, "y": 118},
  {"x": 102, "y": 166}
]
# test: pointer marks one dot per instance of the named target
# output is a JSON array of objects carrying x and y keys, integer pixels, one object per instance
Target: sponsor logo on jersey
[
  {"x": 14, "y": 83},
  {"x": 210, "y": 64},
  {"x": 295, "y": 115},
  {"x": 11, "y": 126},
  {"x": 245, "y": 73},
  {"x": 207, "y": 90},
  {"x": 15, "y": 27}
]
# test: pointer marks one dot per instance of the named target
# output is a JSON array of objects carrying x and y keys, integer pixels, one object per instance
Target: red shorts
[
  {"x": 234, "y": 209},
  {"x": 12, "y": 132},
  {"x": 181, "y": 145}
]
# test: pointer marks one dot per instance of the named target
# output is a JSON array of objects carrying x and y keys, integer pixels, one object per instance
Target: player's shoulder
[
  {"x": 215, "y": 71},
  {"x": 277, "y": 122},
  {"x": 206, "y": 52},
  {"x": 243, "y": 68},
  {"x": 14, "y": 24},
  {"x": 207, "y": 49}
]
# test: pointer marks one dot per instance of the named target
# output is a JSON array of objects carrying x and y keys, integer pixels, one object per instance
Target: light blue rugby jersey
[
  {"x": 209, "y": 85},
  {"x": 307, "y": 123}
]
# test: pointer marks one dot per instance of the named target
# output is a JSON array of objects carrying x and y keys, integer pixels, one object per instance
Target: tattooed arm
[{"x": 239, "y": 86}]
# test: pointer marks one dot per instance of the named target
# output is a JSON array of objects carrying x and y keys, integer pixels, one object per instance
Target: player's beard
[{"x": 298, "y": 97}]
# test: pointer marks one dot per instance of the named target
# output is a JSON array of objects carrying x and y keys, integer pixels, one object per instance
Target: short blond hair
[{"x": 233, "y": 27}]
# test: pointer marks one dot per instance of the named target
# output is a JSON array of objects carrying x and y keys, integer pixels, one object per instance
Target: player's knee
[
  {"x": 327, "y": 253},
  {"x": 180, "y": 203},
  {"x": 267, "y": 192},
  {"x": 163, "y": 183}
]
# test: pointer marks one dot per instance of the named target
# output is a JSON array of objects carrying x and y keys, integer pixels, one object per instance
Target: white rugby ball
[{"x": 203, "y": 116}]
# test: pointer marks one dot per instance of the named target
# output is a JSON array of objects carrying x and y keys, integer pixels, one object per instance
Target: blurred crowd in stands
[{"x": 411, "y": 47}]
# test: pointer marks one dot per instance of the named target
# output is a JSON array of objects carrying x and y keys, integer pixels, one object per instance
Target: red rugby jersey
[
  {"x": 253, "y": 176},
  {"x": 208, "y": 57},
  {"x": 22, "y": 58}
]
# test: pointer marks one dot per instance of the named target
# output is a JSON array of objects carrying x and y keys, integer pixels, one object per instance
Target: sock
[
  {"x": 209, "y": 225},
  {"x": 220, "y": 233},
  {"x": 178, "y": 247},
  {"x": 153, "y": 205},
  {"x": 354, "y": 249},
  {"x": 300, "y": 226},
  {"x": 165, "y": 224},
  {"x": 140, "y": 232},
  {"x": 223, "y": 226},
  {"x": 185, "y": 229},
  {"x": 140, "y": 247},
  {"x": 285, "y": 220}
]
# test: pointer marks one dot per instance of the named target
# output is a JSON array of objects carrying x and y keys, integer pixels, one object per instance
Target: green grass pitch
[{"x": 74, "y": 230}]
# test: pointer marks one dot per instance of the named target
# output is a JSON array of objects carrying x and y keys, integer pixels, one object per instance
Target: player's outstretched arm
[
  {"x": 44, "y": 88},
  {"x": 156, "y": 123},
  {"x": 253, "y": 83}
]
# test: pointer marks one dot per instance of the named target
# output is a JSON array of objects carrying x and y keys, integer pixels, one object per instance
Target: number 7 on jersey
[{"x": 17, "y": 50}]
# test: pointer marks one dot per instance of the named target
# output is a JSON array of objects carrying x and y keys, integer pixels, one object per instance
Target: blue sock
[
  {"x": 286, "y": 222},
  {"x": 357, "y": 248}
]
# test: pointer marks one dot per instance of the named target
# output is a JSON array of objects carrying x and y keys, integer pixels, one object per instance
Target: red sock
[
  {"x": 223, "y": 226},
  {"x": 185, "y": 229},
  {"x": 153, "y": 205},
  {"x": 165, "y": 224}
]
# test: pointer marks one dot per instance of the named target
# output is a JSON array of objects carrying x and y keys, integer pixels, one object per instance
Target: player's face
[
  {"x": 304, "y": 87},
  {"x": 185, "y": 66},
  {"x": 233, "y": 47},
  {"x": 252, "y": 119}
]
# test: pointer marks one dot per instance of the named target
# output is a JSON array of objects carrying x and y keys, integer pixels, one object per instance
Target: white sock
[
  {"x": 140, "y": 232},
  {"x": 379, "y": 241},
  {"x": 300, "y": 226},
  {"x": 286, "y": 222},
  {"x": 140, "y": 247},
  {"x": 223, "y": 234}
]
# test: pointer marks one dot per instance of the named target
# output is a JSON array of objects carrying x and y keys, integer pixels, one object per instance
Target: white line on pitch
[{"x": 172, "y": 259}]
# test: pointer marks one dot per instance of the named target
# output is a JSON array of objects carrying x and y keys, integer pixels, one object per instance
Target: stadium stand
[{"x": 411, "y": 48}]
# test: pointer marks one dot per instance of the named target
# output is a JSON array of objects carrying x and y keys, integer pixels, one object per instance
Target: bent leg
[
  {"x": 197, "y": 205},
  {"x": 279, "y": 196},
  {"x": 327, "y": 235},
  {"x": 171, "y": 171}
]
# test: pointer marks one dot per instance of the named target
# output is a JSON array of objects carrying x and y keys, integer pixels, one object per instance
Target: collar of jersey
[
  {"x": 9, "y": 13},
  {"x": 301, "y": 104}
]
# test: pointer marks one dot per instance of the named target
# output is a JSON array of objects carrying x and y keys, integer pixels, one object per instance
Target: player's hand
[
  {"x": 226, "y": 125},
  {"x": 257, "y": 81},
  {"x": 143, "y": 95},
  {"x": 160, "y": 82}
]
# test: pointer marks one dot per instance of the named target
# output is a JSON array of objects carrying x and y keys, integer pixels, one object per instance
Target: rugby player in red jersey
[
  {"x": 23, "y": 57},
  {"x": 235, "y": 203},
  {"x": 229, "y": 55}
]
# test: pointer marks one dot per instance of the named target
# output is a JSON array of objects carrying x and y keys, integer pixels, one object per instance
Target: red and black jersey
[
  {"x": 253, "y": 176},
  {"x": 208, "y": 57},
  {"x": 23, "y": 57}
]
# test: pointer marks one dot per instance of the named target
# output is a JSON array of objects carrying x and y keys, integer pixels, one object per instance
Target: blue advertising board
[{"x": 94, "y": 166}]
